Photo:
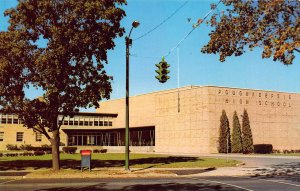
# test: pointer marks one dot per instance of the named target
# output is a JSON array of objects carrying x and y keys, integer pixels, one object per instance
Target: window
[
  {"x": 38, "y": 136},
  {"x": 1, "y": 136},
  {"x": 20, "y": 136},
  {"x": 21, "y": 121},
  {"x": 15, "y": 120},
  {"x": 90, "y": 140},
  {"x": 9, "y": 120},
  {"x": 3, "y": 120}
]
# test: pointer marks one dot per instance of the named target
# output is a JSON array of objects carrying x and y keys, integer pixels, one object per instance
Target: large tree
[
  {"x": 272, "y": 25},
  {"x": 224, "y": 134},
  {"x": 247, "y": 134},
  {"x": 58, "y": 46},
  {"x": 236, "y": 139}
]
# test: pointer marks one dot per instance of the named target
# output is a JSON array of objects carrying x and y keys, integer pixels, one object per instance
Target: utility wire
[
  {"x": 194, "y": 27},
  {"x": 149, "y": 57},
  {"x": 157, "y": 26}
]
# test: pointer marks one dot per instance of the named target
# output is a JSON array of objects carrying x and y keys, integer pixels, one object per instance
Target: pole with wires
[{"x": 178, "y": 96}]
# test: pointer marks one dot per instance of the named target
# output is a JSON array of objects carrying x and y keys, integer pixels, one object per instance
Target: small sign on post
[{"x": 86, "y": 159}]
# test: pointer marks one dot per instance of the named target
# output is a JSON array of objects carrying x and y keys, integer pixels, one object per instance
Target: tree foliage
[
  {"x": 272, "y": 25},
  {"x": 246, "y": 134},
  {"x": 58, "y": 46},
  {"x": 224, "y": 134},
  {"x": 236, "y": 139}
]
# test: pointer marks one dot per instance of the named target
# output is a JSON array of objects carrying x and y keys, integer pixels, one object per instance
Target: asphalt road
[
  {"x": 260, "y": 161},
  {"x": 152, "y": 184}
]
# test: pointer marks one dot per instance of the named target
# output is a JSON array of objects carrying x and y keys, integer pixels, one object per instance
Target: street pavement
[
  {"x": 151, "y": 184},
  {"x": 259, "y": 173}
]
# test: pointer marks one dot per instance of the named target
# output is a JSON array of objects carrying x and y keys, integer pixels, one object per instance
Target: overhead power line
[
  {"x": 196, "y": 25},
  {"x": 157, "y": 26}
]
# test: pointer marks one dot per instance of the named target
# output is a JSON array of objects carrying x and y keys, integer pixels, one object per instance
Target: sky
[{"x": 195, "y": 68}]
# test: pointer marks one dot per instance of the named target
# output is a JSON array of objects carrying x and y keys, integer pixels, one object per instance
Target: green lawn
[{"x": 107, "y": 160}]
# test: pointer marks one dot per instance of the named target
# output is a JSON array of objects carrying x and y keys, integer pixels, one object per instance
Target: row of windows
[
  {"x": 87, "y": 123},
  {"x": 76, "y": 121},
  {"x": 266, "y": 95},
  {"x": 20, "y": 136},
  {"x": 112, "y": 138}
]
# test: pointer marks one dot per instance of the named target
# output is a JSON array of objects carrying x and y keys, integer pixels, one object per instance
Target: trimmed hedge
[
  {"x": 100, "y": 151},
  {"x": 11, "y": 147},
  {"x": 26, "y": 147},
  {"x": 69, "y": 150},
  {"x": 263, "y": 148},
  {"x": 38, "y": 153},
  {"x": 11, "y": 154}
]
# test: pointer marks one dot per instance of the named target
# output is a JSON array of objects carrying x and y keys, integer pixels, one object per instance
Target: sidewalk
[
  {"x": 236, "y": 155},
  {"x": 233, "y": 155}
]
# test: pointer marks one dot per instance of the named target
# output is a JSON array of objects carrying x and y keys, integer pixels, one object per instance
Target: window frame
[{"x": 18, "y": 135}]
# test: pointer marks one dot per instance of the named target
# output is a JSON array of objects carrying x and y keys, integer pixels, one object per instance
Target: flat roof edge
[{"x": 197, "y": 86}]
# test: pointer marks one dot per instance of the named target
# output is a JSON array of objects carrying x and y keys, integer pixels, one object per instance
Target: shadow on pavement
[
  {"x": 73, "y": 164},
  {"x": 286, "y": 171},
  {"x": 149, "y": 187},
  {"x": 191, "y": 171}
]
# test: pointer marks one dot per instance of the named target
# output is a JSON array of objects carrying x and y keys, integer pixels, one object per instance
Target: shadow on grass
[
  {"x": 73, "y": 164},
  {"x": 286, "y": 171}
]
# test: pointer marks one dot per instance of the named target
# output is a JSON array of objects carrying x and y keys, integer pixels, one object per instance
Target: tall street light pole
[{"x": 128, "y": 43}]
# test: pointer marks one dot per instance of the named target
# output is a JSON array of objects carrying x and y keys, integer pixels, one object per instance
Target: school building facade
[{"x": 184, "y": 120}]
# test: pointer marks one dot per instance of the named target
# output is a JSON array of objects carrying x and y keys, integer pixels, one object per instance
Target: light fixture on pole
[{"x": 128, "y": 43}]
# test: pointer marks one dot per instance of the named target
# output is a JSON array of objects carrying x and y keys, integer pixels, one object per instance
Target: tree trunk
[{"x": 55, "y": 150}]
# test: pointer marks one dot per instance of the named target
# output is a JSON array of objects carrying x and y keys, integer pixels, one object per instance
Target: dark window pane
[
  {"x": 19, "y": 136},
  {"x": 9, "y": 121},
  {"x": 79, "y": 140},
  {"x": 3, "y": 120},
  {"x": 84, "y": 140}
]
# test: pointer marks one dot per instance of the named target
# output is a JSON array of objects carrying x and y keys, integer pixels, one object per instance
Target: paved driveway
[{"x": 151, "y": 184}]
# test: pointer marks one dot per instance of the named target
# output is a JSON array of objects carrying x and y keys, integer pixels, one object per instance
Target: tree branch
[
  {"x": 62, "y": 120},
  {"x": 38, "y": 130},
  {"x": 45, "y": 132},
  {"x": 297, "y": 50}
]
